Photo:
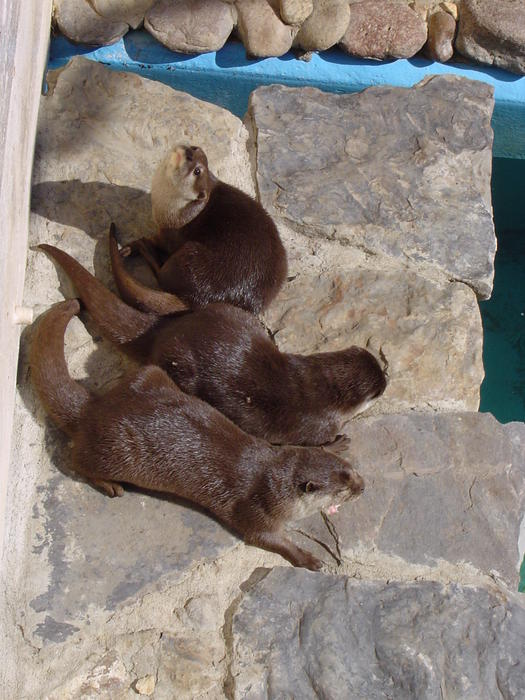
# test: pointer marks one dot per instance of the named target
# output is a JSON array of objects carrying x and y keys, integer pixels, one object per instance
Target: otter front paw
[{"x": 307, "y": 561}]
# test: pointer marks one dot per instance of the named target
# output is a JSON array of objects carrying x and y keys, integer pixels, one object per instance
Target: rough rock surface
[
  {"x": 130, "y": 11},
  {"x": 302, "y": 635},
  {"x": 121, "y": 597},
  {"x": 296, "y": 11},
  {"x": 191, "y": 26},
  {"x": 79, "y": 22},
  {"x": 439, "y": 488},
  {"x": 430, "y": 334},
  {"x": 384, "y": 29},
  {"x": 352, "y": 168},
  {"x": 493, "y": 33},
  {"x": 261, "y": 30},
  {"x": 325, "y": 26},
  {"x": 441, "y": 32}
]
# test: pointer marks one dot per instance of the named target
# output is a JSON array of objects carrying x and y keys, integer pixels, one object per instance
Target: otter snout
[{"x": 355, "y": 482}]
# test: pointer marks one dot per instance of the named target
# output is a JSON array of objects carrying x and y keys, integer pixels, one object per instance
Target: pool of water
[{"x": 503, "y": 315}]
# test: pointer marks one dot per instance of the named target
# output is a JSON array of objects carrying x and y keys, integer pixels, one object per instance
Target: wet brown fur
[
  {"x": 224, "y": 356},
  {"x": 146, "y": 431},
  {"x": 220, "y": 247}
]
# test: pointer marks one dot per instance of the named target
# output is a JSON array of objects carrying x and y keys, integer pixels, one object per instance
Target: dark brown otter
[
  {"x": 214, "y": 242},
  {"x": 146, "y": 431},
  {"x": 223, "y": 355}
]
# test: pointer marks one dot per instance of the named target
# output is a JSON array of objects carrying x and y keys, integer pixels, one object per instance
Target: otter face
[
  {"x": 187, "y": 172},
  {"x": 323, "y": 482},
  {"x": 181, "y": 186}
]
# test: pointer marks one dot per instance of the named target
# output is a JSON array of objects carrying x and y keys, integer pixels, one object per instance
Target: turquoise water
[{"x": 503, "y": 316}]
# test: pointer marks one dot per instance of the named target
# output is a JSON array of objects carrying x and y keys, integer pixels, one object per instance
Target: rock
[
  {"x": 444, "y": 498},
  {"x": 191, "y": 26},
  {"x": 79, "y": 22},
  {"x": 130, "y": 11},
  {"x": 100, "y": 137},
  {"x": 325, "y": 26},
  {"x": 384, "y": 29},
  {"x": 145, "y": 685},
  {"x": 441, "y": 32},
  {"x": 303, "y": 635},
  {"x": 430, "y": 334},
  {"x": 451, "y": 8},
  {"x": 493, "y": 33},
  {"x": 261, "y": 30},
  {"x": 107, "y": 679},
  {"x": 397, "y": 171},
  {"x": 296, "y": 11}
]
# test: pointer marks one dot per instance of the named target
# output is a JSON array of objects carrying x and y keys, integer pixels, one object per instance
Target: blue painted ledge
[{"x": 227, "y": 77}]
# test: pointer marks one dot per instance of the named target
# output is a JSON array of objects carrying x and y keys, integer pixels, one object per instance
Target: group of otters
[{"x": 215, "y": 414}]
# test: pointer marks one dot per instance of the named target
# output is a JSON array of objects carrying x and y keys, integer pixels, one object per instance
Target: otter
[
  {"x": 224, "y": 355},
  {"x": 147, "y": 432},
  {"x": 214, "y": 242}
]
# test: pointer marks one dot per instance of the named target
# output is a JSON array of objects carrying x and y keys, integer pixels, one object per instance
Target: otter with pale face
[
  {"x": 214, "y": 243},
  {"x": 147, "y": 432}
]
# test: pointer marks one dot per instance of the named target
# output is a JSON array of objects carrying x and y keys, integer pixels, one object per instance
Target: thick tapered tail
[
  {"x": 63, "y": 398},
  {"x": 117, "y": 321},
  {"x": 137, "y": 294}
]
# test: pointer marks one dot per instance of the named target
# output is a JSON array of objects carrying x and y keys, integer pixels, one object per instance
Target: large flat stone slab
[
  {"x": 440, "y": 490},
  {"x": 429, "y": 333},
  {"x": 402, "y": 172},
  {"x": 303, "y": 635},
  {"x": 100, "y": 137}
]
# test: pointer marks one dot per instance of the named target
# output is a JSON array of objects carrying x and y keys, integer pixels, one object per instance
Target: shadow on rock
[{"x": 92, "y": 206}]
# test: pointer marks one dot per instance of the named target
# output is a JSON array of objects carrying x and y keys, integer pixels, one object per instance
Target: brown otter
[
  {"x": 146, "y": 431},
  {"x": 223, "y": 355},
  {"x": 214, "y": 242}
]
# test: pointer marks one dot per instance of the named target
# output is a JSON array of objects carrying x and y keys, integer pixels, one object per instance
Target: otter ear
[{"x": 309, "y": 487}]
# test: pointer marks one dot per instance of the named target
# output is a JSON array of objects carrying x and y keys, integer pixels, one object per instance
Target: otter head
[
  {"x": 356, "y": 379},
  {"x": 323, "y": 482},
  {"x": 181, "y": 187}
]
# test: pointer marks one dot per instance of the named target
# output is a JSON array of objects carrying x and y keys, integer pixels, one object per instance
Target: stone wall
[
  {"x": 479, "y": 30},
  {"x": 382, "y": 201}
]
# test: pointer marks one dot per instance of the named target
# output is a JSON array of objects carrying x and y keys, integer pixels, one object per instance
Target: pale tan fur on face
[{"x": 173, "y": 187}]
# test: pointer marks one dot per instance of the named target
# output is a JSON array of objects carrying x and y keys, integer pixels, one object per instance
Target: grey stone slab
[
  {"x": 438, "y": 488},
  {"x": 399, "y": 171},
  {"x": 303, "y": 635},
  {"x": 100, "y": 137},
  {"x": 493, "y": 33},
  {"x": 430, "y": 334}
]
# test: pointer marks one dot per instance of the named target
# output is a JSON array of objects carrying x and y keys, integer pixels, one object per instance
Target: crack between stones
[
  {"x": 334, "y": 534},
  {"x": 322, "y": 544}
]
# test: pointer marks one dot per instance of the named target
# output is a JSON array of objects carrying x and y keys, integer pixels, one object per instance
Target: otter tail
[
  {"x": 117, "y": 321},
  {"x": 137, "y": 294},
  {"x": 62, "y": 397}
]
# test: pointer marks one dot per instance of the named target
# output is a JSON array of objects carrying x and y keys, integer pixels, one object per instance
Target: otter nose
[{"x": 357, "y": 483}]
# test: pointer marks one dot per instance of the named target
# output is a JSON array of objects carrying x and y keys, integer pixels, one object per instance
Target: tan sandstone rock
[
  {"x": 441, "y": 32},
  {"x": 325, "y": 26},
  {"x": 79, "y": 22},
  {"x": 296, "y": 11},
  {"x": 261, "y": 30},
  {"x": 191, "y": 26},
  {"x": 130, "y": 11}
]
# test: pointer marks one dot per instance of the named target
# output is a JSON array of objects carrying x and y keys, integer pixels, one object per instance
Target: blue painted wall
[{"x": 227, "y": 77}]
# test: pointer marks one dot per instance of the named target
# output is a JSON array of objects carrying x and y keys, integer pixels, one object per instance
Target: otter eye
[
  {"x": 309, "y": 486},
  {"x": 197, "y": 171}
]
